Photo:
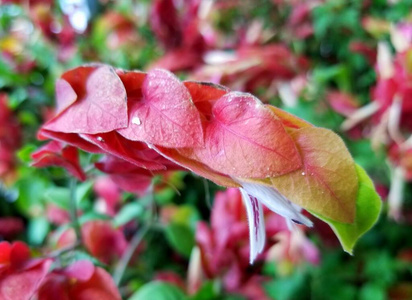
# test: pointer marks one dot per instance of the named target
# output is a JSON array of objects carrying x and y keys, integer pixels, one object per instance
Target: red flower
[
  {"x": 225, "y": 247},
  {"x": 10, "y": 138},
  {"x": 10, "y": 227},
  {"x": 80, "y": 281},
  {"x": 20, "y": 276},
  {"x": 100, "y": 238}
]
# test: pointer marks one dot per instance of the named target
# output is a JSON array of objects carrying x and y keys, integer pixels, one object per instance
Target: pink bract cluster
[{"x": 152, "y": 123}]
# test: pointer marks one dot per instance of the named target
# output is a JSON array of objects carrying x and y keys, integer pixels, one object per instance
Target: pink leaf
[
  {"x": 65, "y": 95},
  {"x": 166, "y": 115},
  {"x": 81, "y": 270},
  {"x": 245, "y": 139},
  {"x": 127, "y": 176},
  {"x": 102, "y": 108}
]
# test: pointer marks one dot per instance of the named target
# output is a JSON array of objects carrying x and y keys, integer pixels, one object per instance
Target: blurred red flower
[
  {"x": 20, "y": 275},
  {"x": 80, "y": 281}
]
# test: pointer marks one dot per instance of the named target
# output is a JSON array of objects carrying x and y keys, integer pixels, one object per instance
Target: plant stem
[
  {"x": 73, "y": 211},
  {"x": 63, "y": 250},
  {"x": 124, "y": 261},
  {"x": 135, "y": 242}
]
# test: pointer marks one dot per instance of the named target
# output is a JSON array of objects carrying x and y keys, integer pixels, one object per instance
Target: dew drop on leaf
[{"x": 136, "y": 121}]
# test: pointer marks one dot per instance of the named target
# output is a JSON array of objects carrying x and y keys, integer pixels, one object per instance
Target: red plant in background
[
  {"x": 81, "y": 280},
  {"x": 390, "y": 110},
  {"x": 109, "y": 195},
  {"x": 20, "y": 275},
  {"x": 224, "y": 248},
  {"x": 179, "y": 30},
  {"x": 100, "y": 238},
  {"x": 251, "y": 67},
  {"x": 10, "y": 227},
  {"x": 10, "y": 139},
  {"x": 119, "y": 30}
]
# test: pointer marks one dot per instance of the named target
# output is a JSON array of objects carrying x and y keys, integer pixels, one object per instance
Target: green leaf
[
  {"x": 208, "y": 291},
  {"x": 59, "y": 196},
  {"x": 372, "y": 291},
  {"x": 31, "y": 193},
  {"x": 37, "y": 230},
  {"x": 128, "y": 212},
  {"x": 368, "y": 207},
  {"x": 83, "y": 190},
  {"x": 158, "y": 290},
  {"x": 287, "y": 287},
  {"x": 181, "y": 238},
  {"x": 186, "y": 215}
]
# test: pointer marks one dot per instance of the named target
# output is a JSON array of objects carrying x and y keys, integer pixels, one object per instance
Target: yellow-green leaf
[
  {"x": 327, "y": 183},
  {"x": 368, "y": 207}
]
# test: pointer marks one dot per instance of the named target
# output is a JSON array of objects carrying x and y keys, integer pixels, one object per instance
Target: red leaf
[
  {"x": 197, "y": 167},
  {"x": 245, "y": 139},
  {"x": 127, "y": 176},
  {"x": 133, "y": 152},
  {"x": 70, "y": 138},
  {"x": 19, "y": 254},
  {"x": 133, "y": 82},
  {"x": 166, "y": 115},
  {"x": 102, "y": 108},
  {"x": 164, "y": 21},
  {"x": 23, "y": 284},
  {"x": 5, "y": 250},
  {"x": 54, "y": 154},
  {"x": 103, "y": 241},
  {"x": 204, "y": 95},
  {"x": 82, "y": 270}
]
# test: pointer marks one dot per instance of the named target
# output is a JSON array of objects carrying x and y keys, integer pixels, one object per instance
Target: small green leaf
[
  {"x": 158, "y": 290},
  {"x": 24, "y": 154},
  {"x": 82, "y": 190},
  {"x": 181, "y": 238},
  {"x": 186, "y": 215},
  {"x": 208, "y": 291},
  {"x": 368, "y": 207},
  {"x": 128, "y": 212},
  {"x": 59, "y": 196},
  {"x": 37, "y": 230},
  {"x": 31, "y": 193}
]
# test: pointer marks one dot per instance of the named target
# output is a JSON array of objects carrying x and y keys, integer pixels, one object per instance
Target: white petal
[
  {"x": 256, "y": 221},
  {"x": 276, "y": 202}
]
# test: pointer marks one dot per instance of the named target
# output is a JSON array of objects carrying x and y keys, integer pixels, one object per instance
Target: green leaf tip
[{"x": 368, "y": 207}]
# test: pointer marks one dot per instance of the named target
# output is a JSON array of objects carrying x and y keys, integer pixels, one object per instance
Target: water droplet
[
  {"x": 100, "y": 139},
  {"x": 303, "y": 173},
  {"x": 136, "y": 121}
]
